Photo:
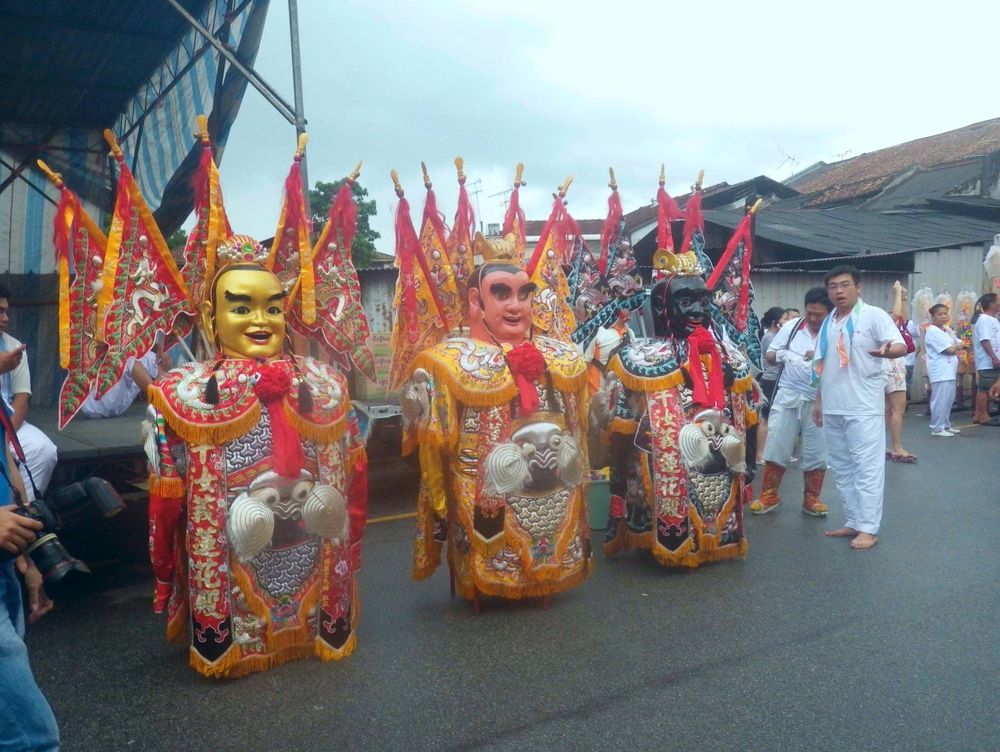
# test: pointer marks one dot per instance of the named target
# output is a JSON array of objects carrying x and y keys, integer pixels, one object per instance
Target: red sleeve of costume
[
  {"x": 166, "y": 504},
  {"x": 357, "y": 506}
]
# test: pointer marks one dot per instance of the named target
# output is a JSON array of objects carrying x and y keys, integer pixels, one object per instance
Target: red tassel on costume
[
  {"x": 514, "y": 211},
  {"x": 357, "y": 509},
  {"x": 527, "y": 365},
  {"x": 435, "y": 217},
  {"x": 287, "y": 457},
  {"x": 295, "y": 200},
  {"x": 344, "y": 215},
  {"x": 744, "y": 236},
  {"x": 612, "y": 225},
  {"x": 701, "y": 342},
  {"x": 693, "y": 220},
  {"x": 567, "y": 233},
  {"x": 164, "y": 516},
  {"x": 666, "y": 212},
  {"x": 743, "y": 312}
]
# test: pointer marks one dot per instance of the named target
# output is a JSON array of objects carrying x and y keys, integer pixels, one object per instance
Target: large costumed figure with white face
[
  {"x": 675, "y": 409},
  {"x": 258, "y": 473},
  {"x": 499, "y": 417}
]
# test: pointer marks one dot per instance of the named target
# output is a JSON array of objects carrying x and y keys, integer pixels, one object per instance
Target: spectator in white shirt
[
  {"x": 985, "y": 346},
  {"x": 792, "y": 348},
  {"x": 15, "y": 391},
  {"x": 850, "y": 370},
  {"x": 942, "y": 370}
]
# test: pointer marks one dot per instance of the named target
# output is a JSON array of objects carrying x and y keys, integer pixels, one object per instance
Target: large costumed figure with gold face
[
  {"x": 258, "y": 482},
  {"x": 499, "y": 416},
  {"x": 675, "y": 410}
]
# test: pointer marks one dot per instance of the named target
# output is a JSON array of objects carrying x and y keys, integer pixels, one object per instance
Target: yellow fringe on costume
[
  {"x": 170, "y": 487},
  {"x": 625, "y": 539},
  {"x": 529, "y": 590},
  {"x": 497, "y": 391},
  {"x": 286, "y": 637},
  {"x": 214, "y": 434},
  {"x": 321, "y": 433},
  {"x": 743, "y": 384},
  {"x": 641, "y": 384},
  {"x": 232, "y": 666},
  {"x": 326, "y": 652},
  {"x": 220, "y": 667},
  {"x": 358, "y": 454}
]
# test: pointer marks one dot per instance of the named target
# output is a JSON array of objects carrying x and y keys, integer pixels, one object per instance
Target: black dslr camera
[{"x": 47, "y": 551}]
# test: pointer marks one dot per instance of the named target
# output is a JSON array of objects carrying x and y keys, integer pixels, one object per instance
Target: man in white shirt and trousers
[
  {"x": 791, "y": 410},
  {"x": 942, "y": 369},
  {"x": 850, "y": 369}
]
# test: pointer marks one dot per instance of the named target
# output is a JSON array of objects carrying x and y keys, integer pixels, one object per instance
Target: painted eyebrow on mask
[
  {"x": 234, "y": 298},
  {"x": 499, "y": 287},
  {"x": 278, "y": 296},
  {"x": 530, "y": 287}
]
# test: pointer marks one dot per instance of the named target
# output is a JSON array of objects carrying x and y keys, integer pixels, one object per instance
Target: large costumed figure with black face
[
  {"x": 675, "y": 409},
  {"x": 499, "y": 416},
  {"x": 258, "y": 482}
]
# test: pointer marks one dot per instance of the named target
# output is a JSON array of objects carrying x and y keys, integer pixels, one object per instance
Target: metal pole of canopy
[
  {"x": 300, "y": 116},
  {"x": 266, "y": 90}
]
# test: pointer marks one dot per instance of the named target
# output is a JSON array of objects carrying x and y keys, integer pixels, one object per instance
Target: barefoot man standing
[{"x": 850, "y": 370}]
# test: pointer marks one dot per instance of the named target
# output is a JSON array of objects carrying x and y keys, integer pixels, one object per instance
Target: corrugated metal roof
[
  {"x": 868, "y": 173},
  {"x": 847, "y": 231},
  {"x": 921, "y": 185}
]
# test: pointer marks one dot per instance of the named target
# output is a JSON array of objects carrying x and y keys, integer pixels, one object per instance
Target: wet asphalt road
[{"x": 805, "y": 645}]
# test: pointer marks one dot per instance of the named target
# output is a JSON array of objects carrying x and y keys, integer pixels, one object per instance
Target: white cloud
[{"x": 576, "y": 87}]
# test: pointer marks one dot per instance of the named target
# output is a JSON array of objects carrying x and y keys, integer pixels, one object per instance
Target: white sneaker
[
  {"x": 944, "y": 434},
  {"x": 952, "y": 430}
]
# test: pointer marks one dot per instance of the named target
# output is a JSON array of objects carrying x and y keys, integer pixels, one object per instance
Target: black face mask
[{"x": 679, "y": 306}]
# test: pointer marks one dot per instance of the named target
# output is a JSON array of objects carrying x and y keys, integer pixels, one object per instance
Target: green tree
[
  {"x": 178, "y": 240},
  {"x": 321, "y": 199}
]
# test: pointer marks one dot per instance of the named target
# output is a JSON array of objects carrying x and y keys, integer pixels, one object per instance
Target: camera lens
[{"x": 53, "y": 560}]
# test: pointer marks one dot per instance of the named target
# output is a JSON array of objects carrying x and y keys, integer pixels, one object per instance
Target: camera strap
[{"x": 8, "y": 428}]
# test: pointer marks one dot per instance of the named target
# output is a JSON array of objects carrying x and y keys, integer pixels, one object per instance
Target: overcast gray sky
[{"x": 576, "y": 87}]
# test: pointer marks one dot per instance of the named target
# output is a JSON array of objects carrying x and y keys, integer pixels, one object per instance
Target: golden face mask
[{"x": 249, "y": 313}]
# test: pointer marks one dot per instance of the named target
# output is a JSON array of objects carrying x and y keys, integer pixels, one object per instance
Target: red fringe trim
[
  {"x": 435, "y": 217},
  {"x": 514, "y": 211},
  {"x": 465, "y": 216},
  {"x": 344, "y": 216},
  {"x": 693, "y": 220},
  {"x": 611, "y": 228},
  {"x": 667, "y": 211}
]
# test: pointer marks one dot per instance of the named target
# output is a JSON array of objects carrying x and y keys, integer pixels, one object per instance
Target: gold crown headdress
[
  {"x": 493, "y": 249},
  {"x": 665, "y": 260},
  {"x": 241, "y": 249},
  {"x": 677, "y": 264}
]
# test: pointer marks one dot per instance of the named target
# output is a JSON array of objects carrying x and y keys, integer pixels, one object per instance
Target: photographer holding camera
[{"x": 26, "y": 720}]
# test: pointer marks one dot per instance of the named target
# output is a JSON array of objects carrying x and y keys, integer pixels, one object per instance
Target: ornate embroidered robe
[
  {"x": 296, "y": 596},
  {"x": 530, "y": 541},
  {"x": 687, "y": 513}
]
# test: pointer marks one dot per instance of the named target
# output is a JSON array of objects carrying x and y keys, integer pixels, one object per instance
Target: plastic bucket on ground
[{"x": 599, "y": 503}]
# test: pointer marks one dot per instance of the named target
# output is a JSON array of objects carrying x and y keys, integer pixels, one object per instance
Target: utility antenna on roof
[
  {"x": 788, "y": 158},
  {"x": 477, "y": 188},
  {"x": 843, "y": 154},
  {"x": 506, "y": 197}
]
